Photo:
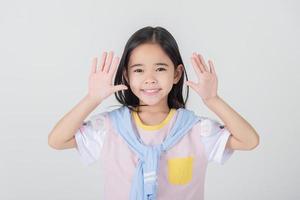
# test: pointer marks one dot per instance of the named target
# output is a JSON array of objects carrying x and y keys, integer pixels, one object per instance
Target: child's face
[{"x": 149, "y": 67}]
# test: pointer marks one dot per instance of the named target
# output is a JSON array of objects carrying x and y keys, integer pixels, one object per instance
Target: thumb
[
  {"x": 120, "y": 87},
  {"x": 191, "y": 84}
]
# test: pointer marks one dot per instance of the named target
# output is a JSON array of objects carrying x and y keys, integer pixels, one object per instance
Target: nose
[{"x": 150, "y": 79}]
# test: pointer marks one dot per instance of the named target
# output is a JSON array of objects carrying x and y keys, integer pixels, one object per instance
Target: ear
[{"x": 178, "y": 73}]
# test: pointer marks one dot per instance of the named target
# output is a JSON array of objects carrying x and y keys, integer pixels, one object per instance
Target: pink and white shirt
[{"x": 181, "y": 171}]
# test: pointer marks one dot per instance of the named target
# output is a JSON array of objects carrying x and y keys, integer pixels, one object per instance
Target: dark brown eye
[
  {"x": 137, "y": 70},
  {"x": 162, "y": 69}
]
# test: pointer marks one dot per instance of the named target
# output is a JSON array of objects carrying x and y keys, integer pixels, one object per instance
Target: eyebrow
[{"x": 137, "y": 65}]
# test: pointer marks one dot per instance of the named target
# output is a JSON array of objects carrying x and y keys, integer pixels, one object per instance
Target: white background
[{"x": 46, "y": 49}]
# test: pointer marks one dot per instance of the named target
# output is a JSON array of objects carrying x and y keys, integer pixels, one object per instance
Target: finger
[
  {"x": 209, "y": 67},
  {"x": 196, "y": 68},
  {"x": 198, "y": 62},
  {"x": 94, "y": 65},
  {"x": 120, "y": 87},
  {"x": 212, "y": 67},
  {"x": 114, "y": 65},
  {"x": 103, "y": 58},
  {"x": 203, "y": 62},
  {"x": 108, "y": 61}
]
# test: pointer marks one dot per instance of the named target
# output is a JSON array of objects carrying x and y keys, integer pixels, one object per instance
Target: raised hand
[
  {"x": 101, "y": 75},
  {"x": 207, "y": 78}
]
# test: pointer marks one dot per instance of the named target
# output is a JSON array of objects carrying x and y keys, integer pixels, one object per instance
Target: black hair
[{"x": 153, "y": 35}]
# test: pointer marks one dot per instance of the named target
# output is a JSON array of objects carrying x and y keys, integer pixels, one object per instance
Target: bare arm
[
  {"x": 100, "y": 87},
  {"x": 244, "y": 136},
  {"x": 62, "y": 135}
]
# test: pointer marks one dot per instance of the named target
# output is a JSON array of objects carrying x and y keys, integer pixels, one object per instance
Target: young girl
[{"x": 152, "y": 147}]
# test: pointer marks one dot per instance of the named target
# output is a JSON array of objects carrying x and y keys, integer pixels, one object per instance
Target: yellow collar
[{"x": 153, "y": 127}]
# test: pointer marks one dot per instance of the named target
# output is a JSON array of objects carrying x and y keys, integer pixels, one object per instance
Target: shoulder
[
  {"x": 103, "y": 119},
  {"x": 98, "y": 120},
  {"x": 106, "y": 115},
  {"x": 208, "y": 126},
  {"x": 108, "y": 110},
  {"x": 117, "y": 110},
  {"x": 204, "y": 125}
]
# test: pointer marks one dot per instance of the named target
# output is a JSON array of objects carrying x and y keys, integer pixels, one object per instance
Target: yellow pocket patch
[{"x": 180, "y": 170}]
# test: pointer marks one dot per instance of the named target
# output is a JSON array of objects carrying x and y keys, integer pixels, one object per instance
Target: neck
[{"x": 162, "y": 108}]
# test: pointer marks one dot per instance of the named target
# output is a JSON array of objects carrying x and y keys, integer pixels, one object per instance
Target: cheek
[
  {"x": 168, "y": 80},
  {"x": 134, "y": 84}
]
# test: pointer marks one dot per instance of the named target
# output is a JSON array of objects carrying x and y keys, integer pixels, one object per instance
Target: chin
[{"x": 151, "y": 101}]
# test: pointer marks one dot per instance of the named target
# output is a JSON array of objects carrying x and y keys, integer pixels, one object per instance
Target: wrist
[
  {"x": 210, "y": 100},
  {"x": 92, "y": 99}
]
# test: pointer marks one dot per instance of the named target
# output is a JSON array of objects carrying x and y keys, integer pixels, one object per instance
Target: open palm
[
  {"x": 207, "y": 78},
  {"x": 100, "y": 78}
]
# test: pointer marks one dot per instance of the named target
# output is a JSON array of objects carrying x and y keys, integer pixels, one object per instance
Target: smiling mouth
[{"x": 151, "y": 92}]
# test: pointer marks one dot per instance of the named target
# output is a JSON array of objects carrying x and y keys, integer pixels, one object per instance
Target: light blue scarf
[{"x": 144, "y": 186}]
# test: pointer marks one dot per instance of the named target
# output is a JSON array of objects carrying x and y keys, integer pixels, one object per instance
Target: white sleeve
[
  {"x": 90, "y": 137},
  {"x": 214, "y": 137}
]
